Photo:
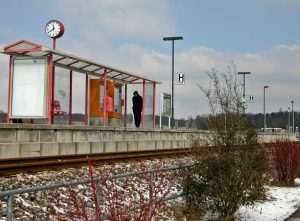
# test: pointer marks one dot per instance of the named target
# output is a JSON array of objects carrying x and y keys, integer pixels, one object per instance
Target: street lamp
[
  {"x": 172, "y": 39},
  {"x": 289, "y": 120},
  {"x": 265, "y": 120},
  {"x": 293, "y": 116},
  {"x": 244, "y": 88}
]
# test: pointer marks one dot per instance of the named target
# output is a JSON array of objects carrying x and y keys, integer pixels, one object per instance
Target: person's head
[{"x": 135, "y": 93}]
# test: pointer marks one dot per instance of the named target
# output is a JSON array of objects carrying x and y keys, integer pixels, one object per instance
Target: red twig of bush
[
  {"x": 108, "y": 199},
  {"x": 285, "y": 158}
]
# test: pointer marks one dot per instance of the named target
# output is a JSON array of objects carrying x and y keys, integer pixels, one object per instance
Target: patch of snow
[{"x": 281, "y": 204}]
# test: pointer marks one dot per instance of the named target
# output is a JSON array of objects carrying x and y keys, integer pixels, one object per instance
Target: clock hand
[{"x": 51, "y": 30}]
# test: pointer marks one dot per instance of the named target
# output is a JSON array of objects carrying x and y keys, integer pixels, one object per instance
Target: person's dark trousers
[{"x": 137, "y": 119}]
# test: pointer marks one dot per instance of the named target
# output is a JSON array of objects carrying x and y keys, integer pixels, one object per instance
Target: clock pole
[
  {"x": 54, "y": 43},
  {"x": 54, "y": 29},
  {"x": 53, "y": 77}
]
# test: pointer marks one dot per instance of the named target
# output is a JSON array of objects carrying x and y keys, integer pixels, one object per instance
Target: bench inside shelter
[{"x": 56, "y": 109}]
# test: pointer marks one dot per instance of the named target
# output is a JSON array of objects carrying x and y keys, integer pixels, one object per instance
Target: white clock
[{"x": 54, "y": 29}]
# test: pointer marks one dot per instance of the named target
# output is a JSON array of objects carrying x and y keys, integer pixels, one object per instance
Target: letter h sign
[{"x": 181, "y": 78}]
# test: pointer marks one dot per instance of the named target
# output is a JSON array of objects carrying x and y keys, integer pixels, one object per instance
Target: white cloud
[{"x": 130, "y": 18}]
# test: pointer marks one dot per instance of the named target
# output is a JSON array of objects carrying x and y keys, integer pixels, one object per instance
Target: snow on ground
[{"x": 282, "y": 202}]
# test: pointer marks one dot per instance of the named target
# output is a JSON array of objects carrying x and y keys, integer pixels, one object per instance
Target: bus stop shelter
[{"x": 32, "y": 82}]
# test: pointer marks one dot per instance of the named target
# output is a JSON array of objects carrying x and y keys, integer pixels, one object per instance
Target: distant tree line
[{"x": 274, "y": 120}]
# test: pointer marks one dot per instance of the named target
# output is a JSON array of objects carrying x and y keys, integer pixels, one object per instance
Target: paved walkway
[{"x": 295, "y": 216}]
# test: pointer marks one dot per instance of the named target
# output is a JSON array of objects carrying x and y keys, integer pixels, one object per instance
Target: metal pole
[
  {"x": 70, "y": 99},
  {"x": 86, "y": 116},
  {"x": 265, "y": 120},
  {"x": 49, "y": 114},
  {"x": 244, "y": 88},
  {"x": 144, "y": 102},
  {"x": 293, "y": 120},
  {"x": 160, "y": 109},
  {"x": 125, "y": 114},
  {"x": 104, "y": 98},
  {"x": 172, "y": 120},
  {"x": 9, "y": 90},
  {"x": 53, "y": 79},
  {"x": 154, "y": 104},
  {"x": 10, "y": 208},
  {"x": 265, "y": 110},
  {"x": 172, "y": 39},
  {"x": 289, "y": 120}
]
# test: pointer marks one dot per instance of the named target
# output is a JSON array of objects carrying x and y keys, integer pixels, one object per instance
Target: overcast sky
[{"x": 260, "y": 36}]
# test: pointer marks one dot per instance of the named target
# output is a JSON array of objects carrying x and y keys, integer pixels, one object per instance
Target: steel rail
[{"x": 16, "y": 165}]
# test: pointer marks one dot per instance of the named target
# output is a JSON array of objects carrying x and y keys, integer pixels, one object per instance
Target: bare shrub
[
  {"x": 285, "y": 160},
  {"x": 230, "y": 165},
  {"x": 111, "y": 199}
]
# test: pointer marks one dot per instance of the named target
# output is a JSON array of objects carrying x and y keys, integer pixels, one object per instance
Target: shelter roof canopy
[{"x": 72, "y": 62}]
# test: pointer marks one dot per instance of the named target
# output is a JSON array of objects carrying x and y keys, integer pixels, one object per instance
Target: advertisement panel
[{"x": 29, "y": 84}]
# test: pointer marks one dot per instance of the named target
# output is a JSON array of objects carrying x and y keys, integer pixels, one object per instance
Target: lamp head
[{"x": 173, "y": 38}]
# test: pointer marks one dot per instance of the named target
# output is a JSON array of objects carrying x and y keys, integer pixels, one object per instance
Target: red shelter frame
[{"x": 57, "y": 58}]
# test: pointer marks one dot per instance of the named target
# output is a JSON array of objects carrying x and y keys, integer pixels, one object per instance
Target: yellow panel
[{"x": 95, "y": 98}]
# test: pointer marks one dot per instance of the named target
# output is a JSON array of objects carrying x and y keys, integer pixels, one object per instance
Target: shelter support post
[
  {"x": 86, "y": 116},
  {"x": 9, "y": 90},
  {"x": 53, "y": 89},
  {"x": 144, "y": 109},
  {"x": 70, "y": 98},
  {"x": 125, "y": 107},
  {"x": 50, "y": 88},
  {"x": 154, "y": 104},
  {"x": 104, "y": 97}
]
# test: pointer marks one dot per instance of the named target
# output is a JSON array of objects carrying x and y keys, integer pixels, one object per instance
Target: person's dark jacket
[{"x": 137, "y": 102}]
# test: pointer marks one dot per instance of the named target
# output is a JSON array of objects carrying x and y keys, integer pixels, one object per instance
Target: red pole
[
  {"x": 9, "y": 88},
  {"x": 125, "y": 112},
  {"x": 154, "y": 104},
  {"x": 70, "y": 99},
  {"x": 144, "y": 98},
  {"x": 54, "y": 43},
  {"x": 104, "y": 98},
  {"x": 53, "y": 87},
  {"x": 50, "y": 89},
  {"x": 53, "y": 77},
  {"x": 86, "y": 117}
]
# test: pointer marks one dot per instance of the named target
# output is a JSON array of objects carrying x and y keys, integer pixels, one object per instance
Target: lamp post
[
  {"x": 244, "y": 88},
  {"x": 265, "y": 120},
  {"x": 172, "y": 39},
  {"x": 293, "y": 116},
  {"x": 289, "y": 119}
]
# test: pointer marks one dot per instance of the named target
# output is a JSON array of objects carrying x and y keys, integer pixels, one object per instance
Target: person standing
[{"x": 137, "y": 108}]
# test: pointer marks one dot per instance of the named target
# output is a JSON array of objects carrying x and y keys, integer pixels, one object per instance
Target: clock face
[{"x": 54, "y": 29}]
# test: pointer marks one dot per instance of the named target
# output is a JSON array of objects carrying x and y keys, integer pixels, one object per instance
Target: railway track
[{"x": 35, "y": 164}]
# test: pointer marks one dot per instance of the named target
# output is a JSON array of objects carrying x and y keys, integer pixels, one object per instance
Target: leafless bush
[
  {"x": 285, "y": 160},
  {"x": 112, "y": 199},
  {"x": 230, "y": 165}
]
